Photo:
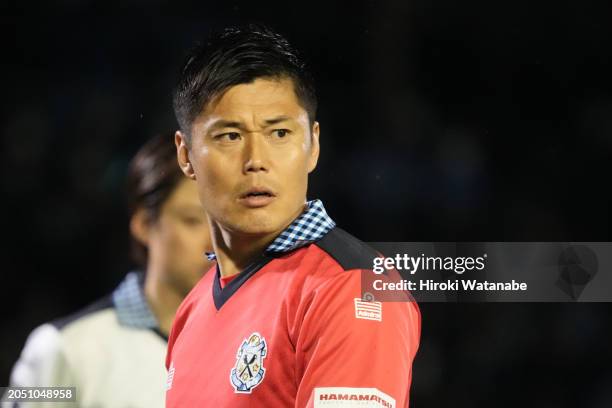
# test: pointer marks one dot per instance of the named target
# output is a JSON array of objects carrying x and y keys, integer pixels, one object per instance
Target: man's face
[{"x": 251, "y": 151}]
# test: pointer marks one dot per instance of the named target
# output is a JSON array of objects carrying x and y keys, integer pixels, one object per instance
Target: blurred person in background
[{"x": 113, "y": 350}]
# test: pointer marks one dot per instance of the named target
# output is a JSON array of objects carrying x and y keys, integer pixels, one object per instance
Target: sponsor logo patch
[
  {"x": 248, "y": 372},
  {"x": 368, "y": 310},
  {"x": 343, "y": 397}
]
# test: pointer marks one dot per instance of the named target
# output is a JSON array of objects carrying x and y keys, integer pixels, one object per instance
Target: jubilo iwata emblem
[{"x": 249, "y": 370}]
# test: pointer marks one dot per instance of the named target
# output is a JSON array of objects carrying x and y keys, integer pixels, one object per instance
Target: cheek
[
  {"x": 184, "y": 249},
  {"x": 294, "y": 167},
  {"x": 168, "y": 239},
  {"x": 292, "y": 156},
  {"x": 212, "y": 172},
  {"x": 162, "y": 243}
]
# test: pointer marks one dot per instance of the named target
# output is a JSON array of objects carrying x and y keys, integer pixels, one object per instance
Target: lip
[{"x": 257, "y": 197}]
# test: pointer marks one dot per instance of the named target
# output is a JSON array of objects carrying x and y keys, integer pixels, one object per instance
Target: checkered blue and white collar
[
  {"x": 310, "y": 226},
  {"x": 131, "y": 304}
]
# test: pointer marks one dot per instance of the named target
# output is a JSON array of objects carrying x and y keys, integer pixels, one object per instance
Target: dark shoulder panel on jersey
[
  {"x": 348, "y": 251},
  {"x": 105, "y": 303}
]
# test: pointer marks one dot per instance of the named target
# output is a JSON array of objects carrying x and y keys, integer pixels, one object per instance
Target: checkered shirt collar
[
  {"x": 310, "y": 226},
  {"x": 131, "y": 305}
]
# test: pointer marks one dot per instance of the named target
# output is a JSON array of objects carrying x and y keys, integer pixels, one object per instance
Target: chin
[{"x": 258, "y": 225}]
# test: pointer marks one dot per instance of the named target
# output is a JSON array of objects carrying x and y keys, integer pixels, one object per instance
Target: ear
[
  {"x": 139, "y": 226},
  {"x": 182, "y": 154},
  {"x": 314, "y": 147}
]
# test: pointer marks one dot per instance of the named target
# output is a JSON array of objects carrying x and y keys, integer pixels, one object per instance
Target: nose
[{"x": 254, "y": 155}]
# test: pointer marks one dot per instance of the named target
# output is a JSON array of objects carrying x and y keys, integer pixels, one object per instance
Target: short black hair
[
  {"x": 153, "y": 175},
  {"x": 239, "y": 55}
]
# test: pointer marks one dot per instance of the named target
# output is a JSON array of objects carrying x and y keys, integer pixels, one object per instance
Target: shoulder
[
  {"x": 336, "y": 256},
  {"x": 99, "y": 327},
  {"x": 47, "y": 335},
  {"x": 45, "y": 353},
  {"x": 346, "y": 250},
  {"x": 336, "y": 269},
  {"x": 88, "y": 313},
  {"x": 94, "y": 322},
  {"x": 45, "y": 340},
  {"x": 42, "y": 350},
  {"x": 329, "y": 268}
]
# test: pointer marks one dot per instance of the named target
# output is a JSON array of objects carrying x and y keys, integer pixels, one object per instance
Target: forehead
[{"x": 265, "y": 97}]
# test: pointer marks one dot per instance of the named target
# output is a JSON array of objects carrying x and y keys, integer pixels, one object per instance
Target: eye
[
  {"x": 230, "y": 136},
  {"x": 281, "y": 133}
]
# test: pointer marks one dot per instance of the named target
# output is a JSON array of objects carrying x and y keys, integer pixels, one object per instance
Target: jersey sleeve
[
  {"x": 42, "y": 363},
  {"x": 353, "y": 353}
]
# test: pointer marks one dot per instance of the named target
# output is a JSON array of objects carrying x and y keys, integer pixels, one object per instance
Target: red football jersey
[{"x": 292, "y": 330}]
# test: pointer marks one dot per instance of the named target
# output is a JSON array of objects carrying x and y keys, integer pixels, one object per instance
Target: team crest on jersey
[{"x": 249, "y": 370}]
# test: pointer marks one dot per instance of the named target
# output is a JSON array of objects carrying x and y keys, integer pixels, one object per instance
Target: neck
[
  {"x": 235, "y": 251},
  {"x": 163, "y": 299}
]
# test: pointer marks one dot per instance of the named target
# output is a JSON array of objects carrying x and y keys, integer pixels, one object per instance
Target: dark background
[{"x": 441, "y": 121}]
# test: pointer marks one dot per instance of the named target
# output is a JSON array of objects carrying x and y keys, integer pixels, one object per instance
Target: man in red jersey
[{"x": 280, "y": 322}]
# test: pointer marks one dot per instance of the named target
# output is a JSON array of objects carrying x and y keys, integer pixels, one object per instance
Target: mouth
[{"x": 257, "y": 197}]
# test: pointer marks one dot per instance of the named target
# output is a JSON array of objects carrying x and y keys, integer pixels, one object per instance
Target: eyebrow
[
  {"x": 222, "y": 123},
  {"x": 276, "y": 120}
]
